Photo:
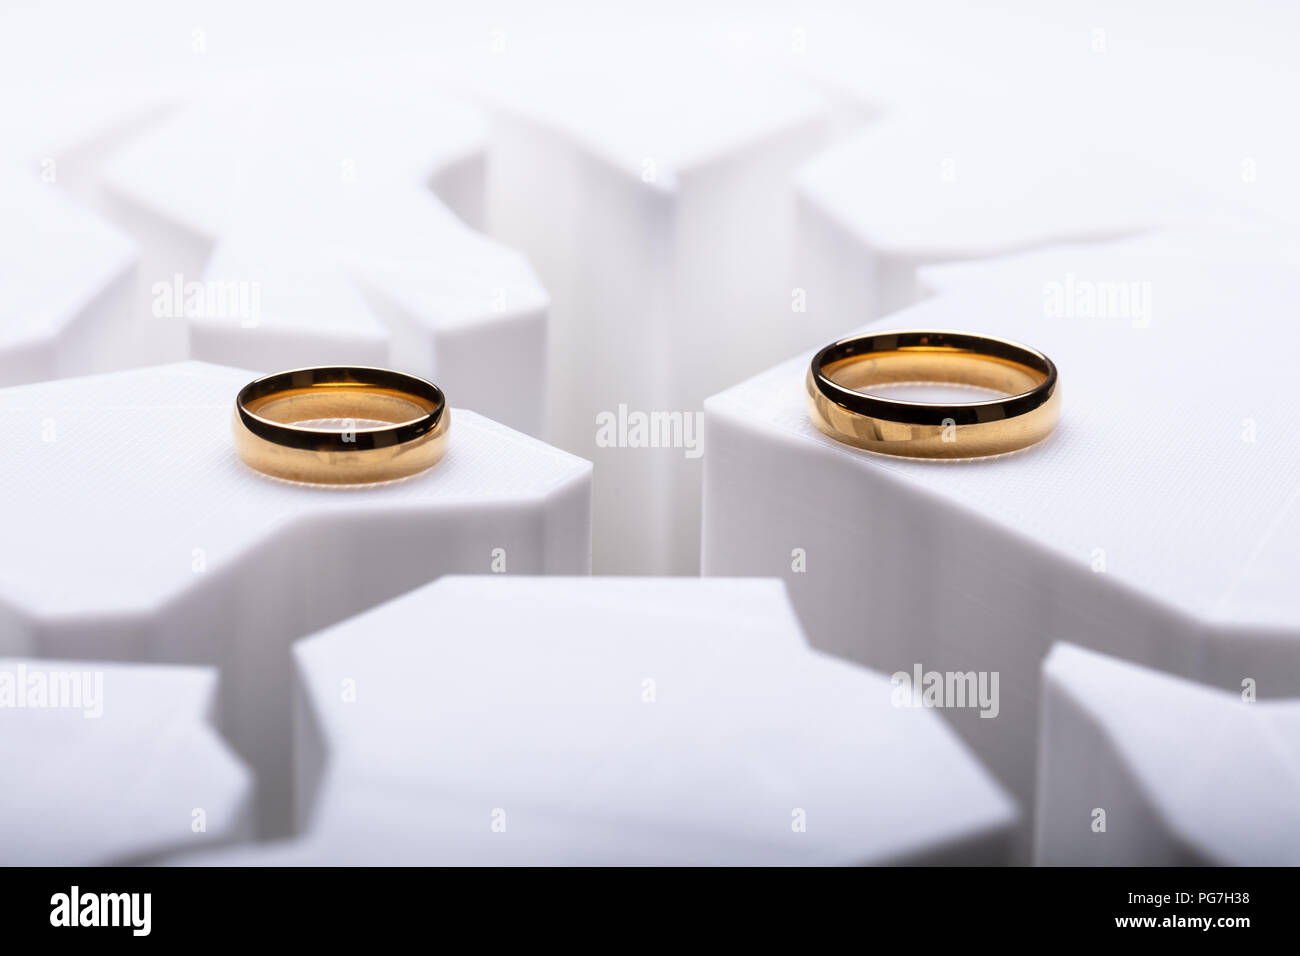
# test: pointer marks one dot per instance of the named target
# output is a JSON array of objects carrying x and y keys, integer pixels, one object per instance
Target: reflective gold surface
[
  {"x": 841, "y": 405},
  {"x": 382, "y": 425}
]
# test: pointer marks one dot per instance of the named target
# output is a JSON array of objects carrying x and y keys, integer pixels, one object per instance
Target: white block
[
  {"x": 896, "y": 58},
  {"x": 64, "y": 281},
  {"x": 1241, "y": 242},
  {"x": 1178, "y": 773},
  {"x": 616, "y": 721},
  {"x": 1157, "y": 523},
  {"x": 935, "y": 187},
  {"x": 656, "y": 205},
  {"x": 110, "y": 764},
  {"x": 64, "y": 133},
  {"x": 144, "y": 538},
  {"x": 311, "y": 220}
]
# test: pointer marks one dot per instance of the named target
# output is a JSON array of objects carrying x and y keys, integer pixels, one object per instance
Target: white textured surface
[
  {"x": 1186, "y": 774},
  {"x": 1241, "y": 243},
  {"x": 659, "y": 216},
  {"x": 145, "y": 538},
  {"x": 320, "y": 200},
  {"x": 64, "y": 280},
  {"x": 939, "y": 186},
  {"x": 528, "y": 696},
  {"x": 287, "y": 153},
  {"x": 981, "y": 564},
  {"x": 928, "y": 186},
  {"x": 123, "y": 785}
]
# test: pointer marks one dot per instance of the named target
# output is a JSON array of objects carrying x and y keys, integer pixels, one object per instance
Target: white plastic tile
[
  {"x": 615, "y": 720},
  {"x": 1137, "y": 768},
  {"x": 308, "y": 219},
  {"x": 1243, "y": 243},
  {"x": 1158, "y": 522},
  {"x": 65, "y": 278},
  {"x": 113, "y": 764},
  {"x": 935, "y": 187},
  {"x": 144, "y": 538}
]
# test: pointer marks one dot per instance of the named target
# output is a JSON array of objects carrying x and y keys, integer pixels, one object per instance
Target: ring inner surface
[
  {"x": 340, "y": 401},
  {"x": 930, "y": 364}
]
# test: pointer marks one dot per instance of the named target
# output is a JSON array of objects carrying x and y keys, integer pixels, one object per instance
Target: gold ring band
[
  {"x": 841, "y": 407},
  {"x": 389, "y": 425}
]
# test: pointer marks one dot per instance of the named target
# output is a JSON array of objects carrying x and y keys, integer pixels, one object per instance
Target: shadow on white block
[
  {"x": 146, "y": 539},
  {"x": 113, "y": 764},
  {"x": 615, "y": 721},
  {"x": 1157, "y": 523},
  {"x": 1137, "y": 768},
  {"x": 657, "y": 207}
]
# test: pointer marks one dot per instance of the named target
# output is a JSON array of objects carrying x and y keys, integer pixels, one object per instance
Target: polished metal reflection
[
  {"x": 272, "y": 435},
  {"x": 841, "y": 405}
]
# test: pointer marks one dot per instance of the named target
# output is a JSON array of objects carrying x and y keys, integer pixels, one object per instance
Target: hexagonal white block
[
  {"x": 108, "y": 764},
  {"x": 1137, "y": 768},
  {"x": 145, "y": 538},
  {"x": 64, "y": 281},
  {"x": 616, "y": 721},
  {"x": 1158, "y": 522},
  {"x": 656, "y": 205},
  {"x": 937, "y": 187},
  {"x": 301, "y": 227}
]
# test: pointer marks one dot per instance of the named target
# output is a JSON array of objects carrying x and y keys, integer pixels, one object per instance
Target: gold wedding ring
[
  {"x": 841, "y": 405},
  {"x": 340, "y": 425}
]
